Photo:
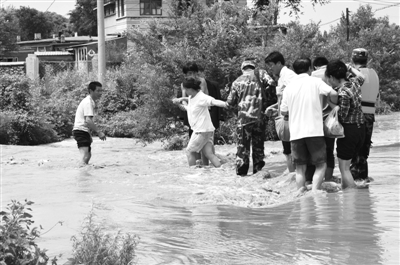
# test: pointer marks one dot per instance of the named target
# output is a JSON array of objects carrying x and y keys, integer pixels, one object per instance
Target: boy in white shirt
[{"x": 199, "y": 118}]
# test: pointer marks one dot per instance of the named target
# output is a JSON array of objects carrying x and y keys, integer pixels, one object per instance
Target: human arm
[
  {"x": 358, "y": 78},
  {"x": 180, "y": 100},
  {"x": 343, "y": 103},
  {"x": 219, "y": 103},
  {"x": 284, "y": 106},
  {"x": 233, "y": 95},
  {"x": 332, "y": 98},
  {"x": 92, "y": 126}
]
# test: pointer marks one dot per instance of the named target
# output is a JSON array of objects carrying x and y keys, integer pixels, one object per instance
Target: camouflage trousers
[
  {"x": 253, "y": 134},
  {"x": 359, "y": 164}
]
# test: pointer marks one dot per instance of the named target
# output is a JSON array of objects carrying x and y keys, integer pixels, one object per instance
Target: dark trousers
[
  {"x": 359, "y": 164},
  {"x": 330, "y": 158},
  {"x": 253, "y": 134}
]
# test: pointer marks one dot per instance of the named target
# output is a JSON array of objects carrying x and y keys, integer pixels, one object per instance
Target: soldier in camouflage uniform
[{"x": 249, "y": 92}]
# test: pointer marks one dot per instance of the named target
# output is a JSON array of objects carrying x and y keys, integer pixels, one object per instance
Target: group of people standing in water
[{"x": 303, "y": 97}]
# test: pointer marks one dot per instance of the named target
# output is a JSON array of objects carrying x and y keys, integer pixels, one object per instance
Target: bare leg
[
  {"x": 291, "y": 167},
  {"x": 192, "y": 157},
  {"x": 318, "y": 176},
  {"x": 347, "y": 178},
  {"x": 301, "y": 176},
  {"x": 86, "y": 155},
  {"x": 328, "y": 174},
  {"x": 208, "y": 152},
  {"x": 204, "y": 159}
]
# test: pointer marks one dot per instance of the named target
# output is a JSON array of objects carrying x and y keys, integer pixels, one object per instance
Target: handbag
[
  {"x": 332, "y": 126},
  {"x": 282, "y": 128}
]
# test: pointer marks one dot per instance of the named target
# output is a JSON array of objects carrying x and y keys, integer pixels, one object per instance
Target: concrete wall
[{"x": 14, "y": 68}]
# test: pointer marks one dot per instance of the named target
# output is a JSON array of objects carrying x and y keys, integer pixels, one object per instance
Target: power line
[
  {"x": 329, "y": 22},
  {"x": 50, "y": 5},
  {"x": 386, "y": 7},
  {"x": 372, "y": 3}
]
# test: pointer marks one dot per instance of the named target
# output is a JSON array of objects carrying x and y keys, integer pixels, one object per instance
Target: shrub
[
  {"x": 383, "y": 108},
  {"x": 96, "y": 247},
  {"x": 177, "y": 142},
  {"x": 23, "y": 128},
  {"x": 17, "y": 239},
  {"x": 15, "y": 93}
]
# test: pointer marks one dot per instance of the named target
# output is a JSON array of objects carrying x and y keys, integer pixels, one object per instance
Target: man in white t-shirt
[
  {"x": 84, "y": 122},
  {"x": 202, "y": 138},
  {"x": 302, "y": 102},
  {"x": 275, "y": 63},
  {"x": 319, "y": 65}
]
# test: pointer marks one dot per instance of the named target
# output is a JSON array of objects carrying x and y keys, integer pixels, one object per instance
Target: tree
[
  {"x": 58, "y": 22},
  {"x": 8, "y": 30},
  {"x": 293, "y": 5},
  {"x": 84, "y": 17},
  {"x": 32, "y": 21}
]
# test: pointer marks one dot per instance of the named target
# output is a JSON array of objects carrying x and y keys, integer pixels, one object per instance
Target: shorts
[
  {"x": 287, "y": 150},
  {"x": 198, "y": 140},
  {"x": 82, "y": 138},
  {"x": 347, "y": 147},
  {"x": 310, "y": 150}
]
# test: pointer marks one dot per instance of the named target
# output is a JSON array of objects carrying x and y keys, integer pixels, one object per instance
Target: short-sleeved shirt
[
  {"x": 198, "y": 114},
  {"x": 320, "y": 73},
  {"x": 302, "y": 99},
  {"x": 349, "y": 101},
  {"x": 285, "y": 76},
  {"x": 85, "y": 109},
  {"x": 249, "y": 95}
]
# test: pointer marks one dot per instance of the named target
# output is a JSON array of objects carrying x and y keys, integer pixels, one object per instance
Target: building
[
  {"x": 55, "y": 44},
  {"x": 121, "y": 15}
]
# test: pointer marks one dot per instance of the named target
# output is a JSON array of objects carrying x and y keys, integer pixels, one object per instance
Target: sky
[{"x": 326, "y": 14}]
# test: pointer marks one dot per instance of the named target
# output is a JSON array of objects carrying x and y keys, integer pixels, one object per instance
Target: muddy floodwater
[{"x": 207, "y": 215}]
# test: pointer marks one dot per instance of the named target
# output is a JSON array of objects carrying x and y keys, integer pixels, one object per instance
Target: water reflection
[{"x": 337, "y": 228}]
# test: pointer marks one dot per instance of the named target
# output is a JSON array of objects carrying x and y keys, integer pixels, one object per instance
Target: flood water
[{"x": 209, "y": 216}]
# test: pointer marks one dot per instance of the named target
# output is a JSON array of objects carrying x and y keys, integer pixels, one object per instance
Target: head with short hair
[
  {"x": 336, "y": 70},
  {"x": 94, "y": 89},
  {"x": 302, "y": 65},
  {"x": 248, "y": 63},
  {"x": 320, "y": 61},
  {"x": 190, "y": 68},
  {"x": 275, "y": 62},
  {"x": 191, "y": 83},
  {"x": 93, "y": 85},
  {"x": 359, "y": 56}
]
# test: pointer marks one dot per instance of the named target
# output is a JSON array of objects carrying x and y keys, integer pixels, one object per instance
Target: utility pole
[
  {"x": 347, "y": 23},
  {"x": 101, "y": 44}
]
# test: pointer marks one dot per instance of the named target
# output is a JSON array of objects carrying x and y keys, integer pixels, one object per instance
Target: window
[
  {"x": 150, "y": 7},
  {"x": 109, "y": 10},
  {"x": 122, "y": 7}
]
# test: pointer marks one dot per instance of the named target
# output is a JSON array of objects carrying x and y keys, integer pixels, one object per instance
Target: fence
[{"x": 52, "y": 67}]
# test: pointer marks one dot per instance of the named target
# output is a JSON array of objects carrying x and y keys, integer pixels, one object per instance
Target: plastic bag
[
  {"x": 332, "y": 127},
  {"x": 282, "y": 128}
]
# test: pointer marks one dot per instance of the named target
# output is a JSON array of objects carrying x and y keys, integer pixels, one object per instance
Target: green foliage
[
  {"x": 23, "y": 128},
  {"x": 8, "y": 30},
  {"x": 17, "y": 238},
  {"x": 15, "y": 92},
  {"x": 177, "y": 142},
  {"x": 84, "y": 17},
  {"x": 32, "y": 21},
  {"x": 95, "y": 246}
]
